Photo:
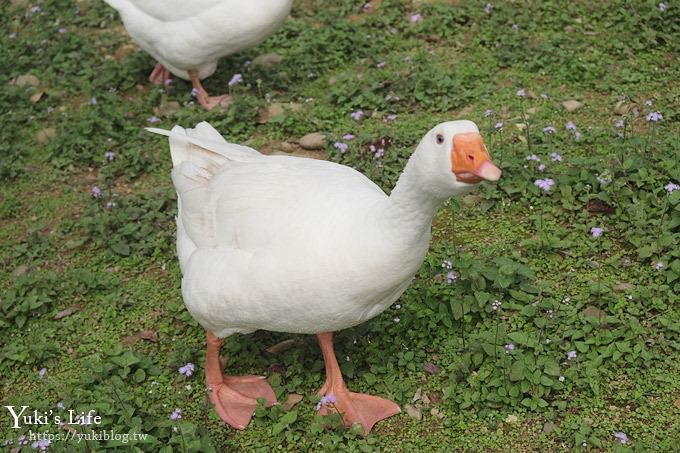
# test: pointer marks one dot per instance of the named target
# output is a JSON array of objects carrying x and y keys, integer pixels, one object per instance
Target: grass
[{"x": 91, "y": 293}]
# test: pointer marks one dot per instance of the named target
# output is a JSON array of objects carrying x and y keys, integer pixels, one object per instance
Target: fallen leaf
[
  {"x": 148, "y": 335},
  {"x": 436, "y": 413},
  {"x": 291, "y": 401},
  {"x": 596, "y": 206},
  {"x": 267, "y": 60},
  {"x": 43, "y": 136},
  {"x": 623, "y": 287},
  {"x": 417, "y": 395},
  {"x": 431, "y": 368},
  {"x": 37, "y": 97},
  {"x": 278, "y": 348},
  {"x": 67, "y": 312},
  {"x": 414, "y": 412},
  {"x": 594, "y": 312}
]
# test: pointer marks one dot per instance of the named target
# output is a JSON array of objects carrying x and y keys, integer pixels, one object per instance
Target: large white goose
[
  {"x": 290, "y": 244},
  {"x": 188, "y": 37}
]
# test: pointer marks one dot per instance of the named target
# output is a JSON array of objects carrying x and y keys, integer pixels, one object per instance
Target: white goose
[
  {"x": 188, "y": 37},
  {"x": 290, "y": 244}
]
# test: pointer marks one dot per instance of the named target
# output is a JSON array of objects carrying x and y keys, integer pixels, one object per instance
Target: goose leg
[
  {"x": 207, "y": 102},
  {"x": 360, "y": 408},
  {"x": 159, "y": 75},
  {"x": 234, "y": 397}
]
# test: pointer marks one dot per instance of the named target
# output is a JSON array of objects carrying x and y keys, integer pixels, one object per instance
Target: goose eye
[{"x": 440, "y": 139}]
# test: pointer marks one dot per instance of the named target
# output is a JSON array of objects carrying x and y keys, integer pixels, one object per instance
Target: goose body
[
  {"x": 194, "y": 35},
  {"x": 300, "y": 245}
]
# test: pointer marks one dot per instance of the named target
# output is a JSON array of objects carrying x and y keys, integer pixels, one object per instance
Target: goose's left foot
[
  {"x": 234, "y": 397},
  {"x": 206, "y": 101},
  {"x": 159, "y": 75},
  {"x": 360, "y": 408}
]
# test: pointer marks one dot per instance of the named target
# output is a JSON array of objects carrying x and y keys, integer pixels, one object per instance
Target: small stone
[
  {"x": 436, "y": 413},
  {"x": 431, "y": 368},
  {"x": 167, "y": 108},
  {"x": 623, "y": 287},
  {"x": 471, "y": 200},
  {"x": 417, "y": 395},
  {"x": 594, "y": 312},
  {"x": 548, "y": 427},
  {"x": 20, "y": 270},
  {"x": 267, "y": 60},
  {"x": 313, "y": 141},
  {"x": 414, "y": 412},
  {"x": 45, "y": 135},
  {"x": 25, "y": 81},
  {"x": 35, "y": 98},
  {"x": 291, "y": 401},
  {"x": 572, "y": 105},
  {"x": 511, "y": 419}
]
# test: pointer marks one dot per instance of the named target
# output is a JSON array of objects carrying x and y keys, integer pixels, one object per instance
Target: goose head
[{"x": 452, "y": 159}]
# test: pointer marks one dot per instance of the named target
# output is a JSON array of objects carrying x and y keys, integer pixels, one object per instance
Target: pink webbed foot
[
  {"x": 159, "y": 75},
  {"x": 360, "y": 408},
  {"x": 206, "y": 101},
  {"x": 234, "y": 397}
]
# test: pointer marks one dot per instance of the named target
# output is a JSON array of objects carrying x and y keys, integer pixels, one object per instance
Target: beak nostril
[{"x": 470, "y": 157}]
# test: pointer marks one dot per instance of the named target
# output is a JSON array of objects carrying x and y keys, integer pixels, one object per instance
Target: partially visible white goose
[
  {"x": 188, "y": 37},
  {"x": 290, "y": 244}
]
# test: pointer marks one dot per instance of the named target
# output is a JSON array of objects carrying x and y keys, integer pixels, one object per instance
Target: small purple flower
[
  {"x": 187, "y": 370},
  {"x": 110, "y": 156},
  {"x": 561, "y": 378},
  {"x": 654, "y": 117},
  {"x": 154, "y": 382},
  {"x": 380, "y": 152},
  {"x": 521, "y": 93},
  {"x": 111, "y": 204},
  {"x": 619, "y": 124},
  {"x": 544, "y": 184},
  {"x": 671, "y": 187},
  {"x": 62, "y": 30},
  {"x": 533, "y": 157},
  {"x": 415, "y": 18},
  {"x": 549, "y": 130},
  {"x": 556, "y": 157},
  {"x": 451, "y": 278},
  {"x": 509, "y": 348},
  {"x": 50, "y": 109},
  {"x": 496, "y": 305},
  {"x": 596, "y": 232},
  {"x": 96, "y": 192},
  {"x": 326, "y": 399},
  {"x": 447, "y": 264},
  {"x": 93, "y": 101},
  {"x": 663, "y": 7},
  {"x": 621, "y": 437},
  {"x": 659, "y": 266},
  {"x": 35, "y": 9},
  {"x": 22, "y": 440},
  {"x": 649, "y": 102},
  {"x": 342, "y": 147},
  {"x": 348, "y": 137},
  {"x": 194, "y": 92},
  {"x": 86, "y": 420},
  {"x": 167, "y": 82},
  {"x": 236, "y": 78},
  {"x": 541, "y": 167},
  {"x": 577, "y": 136},
  {"x": 176, "y": 414},
  {"x": 571, "y": 355},
  {"x": 356, "y": 116},
  {"x": 380, "y": 65},
  {"x": 488, "y": 113},
  {"x": 391, "y": 117},
  {"x": 153, "y": 120},
  {"x": 487, "y": 8},
  {"x": 498, "y": 126},
  {"x": 7, "y": 442},
  {"x": 41, "y": 373},
  {"x": 247, "y": 63},
  {"x": 515, "y": 27},
  {"x": 12, "y": 35},
  {"x": 41, "y": 444},
  {"x": 60, "y": 405},
  {"x": 570, "y": 126}
]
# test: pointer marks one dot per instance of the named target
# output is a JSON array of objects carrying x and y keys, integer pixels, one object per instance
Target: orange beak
[{"x": 470, "y": 161}]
